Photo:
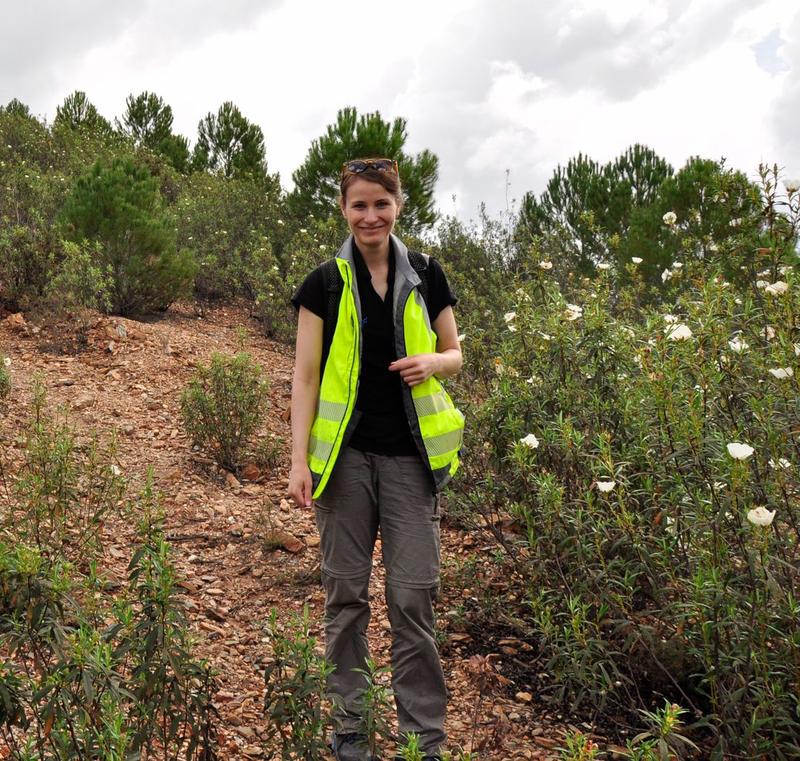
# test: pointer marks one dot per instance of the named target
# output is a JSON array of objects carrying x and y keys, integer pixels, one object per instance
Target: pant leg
[
  {"x": 347, "y": 519},
  {"x": 409, "y": 518}
]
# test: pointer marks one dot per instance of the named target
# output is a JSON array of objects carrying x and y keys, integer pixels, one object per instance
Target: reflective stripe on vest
[{"x": 337, "y": 390}]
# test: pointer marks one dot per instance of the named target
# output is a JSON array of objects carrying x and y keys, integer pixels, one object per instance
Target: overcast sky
[{"x": 487, "y": 85}]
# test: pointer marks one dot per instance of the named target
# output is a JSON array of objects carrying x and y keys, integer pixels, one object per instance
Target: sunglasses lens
[{"x": 381, "y": 165}]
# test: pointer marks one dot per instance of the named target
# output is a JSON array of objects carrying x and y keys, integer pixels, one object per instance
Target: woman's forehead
[{"x": 364, "y": 190}]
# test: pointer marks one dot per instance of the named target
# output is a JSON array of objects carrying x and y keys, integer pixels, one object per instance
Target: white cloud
[{"x": 487, "y": 86}]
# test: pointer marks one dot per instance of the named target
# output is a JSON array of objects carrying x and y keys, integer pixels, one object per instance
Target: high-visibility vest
[{"x": 437, "y": 427}]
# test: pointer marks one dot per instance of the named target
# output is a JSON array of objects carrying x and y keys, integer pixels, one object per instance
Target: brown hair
[{"x": 388, "y": 180}]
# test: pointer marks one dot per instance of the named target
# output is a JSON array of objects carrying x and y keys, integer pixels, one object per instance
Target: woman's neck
[{"x": 375, "y": 254}]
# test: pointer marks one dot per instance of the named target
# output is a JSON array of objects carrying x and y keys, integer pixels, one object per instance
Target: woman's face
[{"x": 370, "y": 211}]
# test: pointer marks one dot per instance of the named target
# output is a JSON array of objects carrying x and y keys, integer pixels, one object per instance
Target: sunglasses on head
[{"x": 361, "y": 165}]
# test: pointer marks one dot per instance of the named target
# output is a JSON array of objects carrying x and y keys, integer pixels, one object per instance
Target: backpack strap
[
  {"x": 420, "y": 264},
  {"x": 333, "y": 286}
]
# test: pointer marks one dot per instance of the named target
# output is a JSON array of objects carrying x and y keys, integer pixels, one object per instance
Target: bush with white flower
[{"x": 661, "y": 494}]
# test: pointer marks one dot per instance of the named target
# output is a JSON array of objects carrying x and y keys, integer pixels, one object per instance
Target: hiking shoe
[{"x": 351, "y": 746}]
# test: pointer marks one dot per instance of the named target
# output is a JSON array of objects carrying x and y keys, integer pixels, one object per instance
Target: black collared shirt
[{"x": 383, "y": 425}]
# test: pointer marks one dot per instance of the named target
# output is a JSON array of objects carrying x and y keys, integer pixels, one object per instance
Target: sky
[{"x": 502, "y": 91}]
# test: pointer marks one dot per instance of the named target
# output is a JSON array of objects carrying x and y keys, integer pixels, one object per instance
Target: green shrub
[
  {"x": 64, "y": 490},
  {"x": 120, "y": 207},
  {"x": 604, "y": 440},
  {"x": 231, "y": 225},
  {"x": 113, "y": 680},
  {"x": 295, "y": 698},
  {"x": 5, "y": 377},
  {"x": 223, "y": 406}
]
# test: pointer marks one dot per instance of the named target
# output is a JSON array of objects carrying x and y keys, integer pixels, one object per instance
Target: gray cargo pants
[{"x": 367, "y": 492}]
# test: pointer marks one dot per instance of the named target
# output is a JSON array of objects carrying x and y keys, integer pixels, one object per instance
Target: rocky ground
[{"x": 127, "y": 376}]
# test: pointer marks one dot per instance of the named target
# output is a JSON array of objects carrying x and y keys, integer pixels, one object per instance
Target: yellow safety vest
[{"x": 436, "y": 425}]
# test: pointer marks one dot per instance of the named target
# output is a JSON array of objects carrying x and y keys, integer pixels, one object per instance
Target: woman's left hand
[{"x": 417, "y": 368}]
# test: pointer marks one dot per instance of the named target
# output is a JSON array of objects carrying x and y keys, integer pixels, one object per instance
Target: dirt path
[{"x": 129, "y": 378}]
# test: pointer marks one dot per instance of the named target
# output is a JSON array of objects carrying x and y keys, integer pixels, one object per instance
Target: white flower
[
  {"x": 460, "y": 337},
  {"x": 545, "y": 336},
  {"x": 546, "y": 265},
  {"x": 670, "y": 218},
  {"x": 7, "y": 361},
  {"x": 322, "y": 247},
  {"x": 782, "y": 463},
  {"x": 509, "y": 316},
  {"x": 738, "y": 345},
  {"x": 740, "y": 451},
  {"x": 280, "y": 222},
  {"x": 636, "y": 259},
  {"x": 677, "y": 265},
  {"x": 777, "y": 288},
  {"x": 115, "y": 470},
  {"x": 498, "y": 367},
  {"x": 303, "y": 230},
  {"x": 573, "y": 312},
  {"x": 797, "y": 350},
  {"x": 760, "y": 516},
  {"x": 670, "y": 318},
  {"x": 512, "y": 328},
  {"x": 606, "y": 486},
  {"x": 785, "y": 269},
  {"x": 529, "y": 380},
  {"x": 762, "y": 284},
  {"x": 712, "y": 247},
  {"x": 604, "y": 266},
  {"x": 792, "y": 186},
  {"x": 735, "y": 222},
  {"x": 666, "y": 275},
  {"x": 679, "y": 332},
  {"x": 781, "y": 372},
  {"x": 530, "y": 441},
  {"x": 768, "y": 332}
]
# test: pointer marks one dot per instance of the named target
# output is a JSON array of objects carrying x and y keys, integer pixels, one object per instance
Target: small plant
[
  {"x": 64, "y": 490},
  {"x": 375, "y": 702},
  {"x": 579, "y": 747},
  {"x": 410, "y": 750},
  {"x": 665, "y": 725},
  {"x": 5, "y": 377},
  {"x": 223, "y": 405},
  {"x": 296, "y": 682}
]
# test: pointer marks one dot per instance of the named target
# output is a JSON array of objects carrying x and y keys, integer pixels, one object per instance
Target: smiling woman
[{"x": 374, "y": 439}]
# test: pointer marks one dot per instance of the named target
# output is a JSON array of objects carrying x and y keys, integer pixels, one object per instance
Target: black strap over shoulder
[
  {"x": 420, "y": 264},
  {"x": 333, "y": 286}
]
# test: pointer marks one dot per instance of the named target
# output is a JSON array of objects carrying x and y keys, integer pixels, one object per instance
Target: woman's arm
[
  {"x": 305, "y": 390},
  {"x": 444, "y": 363}
]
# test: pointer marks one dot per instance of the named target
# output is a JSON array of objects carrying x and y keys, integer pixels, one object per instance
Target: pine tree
[
  {"x": 228, "y": 143},
  {"x": 78, "y": 112},
  {"x": 317, "y": 179}
]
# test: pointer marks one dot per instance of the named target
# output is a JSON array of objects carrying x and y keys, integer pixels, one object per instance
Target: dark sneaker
[{"x": 351, "y": 746}]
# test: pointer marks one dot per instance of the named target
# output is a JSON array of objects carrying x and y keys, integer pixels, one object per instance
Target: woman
[{"x": 374, "y": 439}]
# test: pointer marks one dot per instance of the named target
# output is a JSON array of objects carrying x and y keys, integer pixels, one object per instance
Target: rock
[
  {"x": 16, "y": 322},
  {"x": 284, "y": 540},
  {"x": 83, "y": 401},
  {"x": 232, "y": 482},
  {"x": 313, "y": 540},
  {"x": 251, "y": 471},
  {"x": 523, "y": 697}
]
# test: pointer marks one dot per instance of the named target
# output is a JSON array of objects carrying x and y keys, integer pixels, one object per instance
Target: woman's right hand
[{"x": 300, "y": 486}]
